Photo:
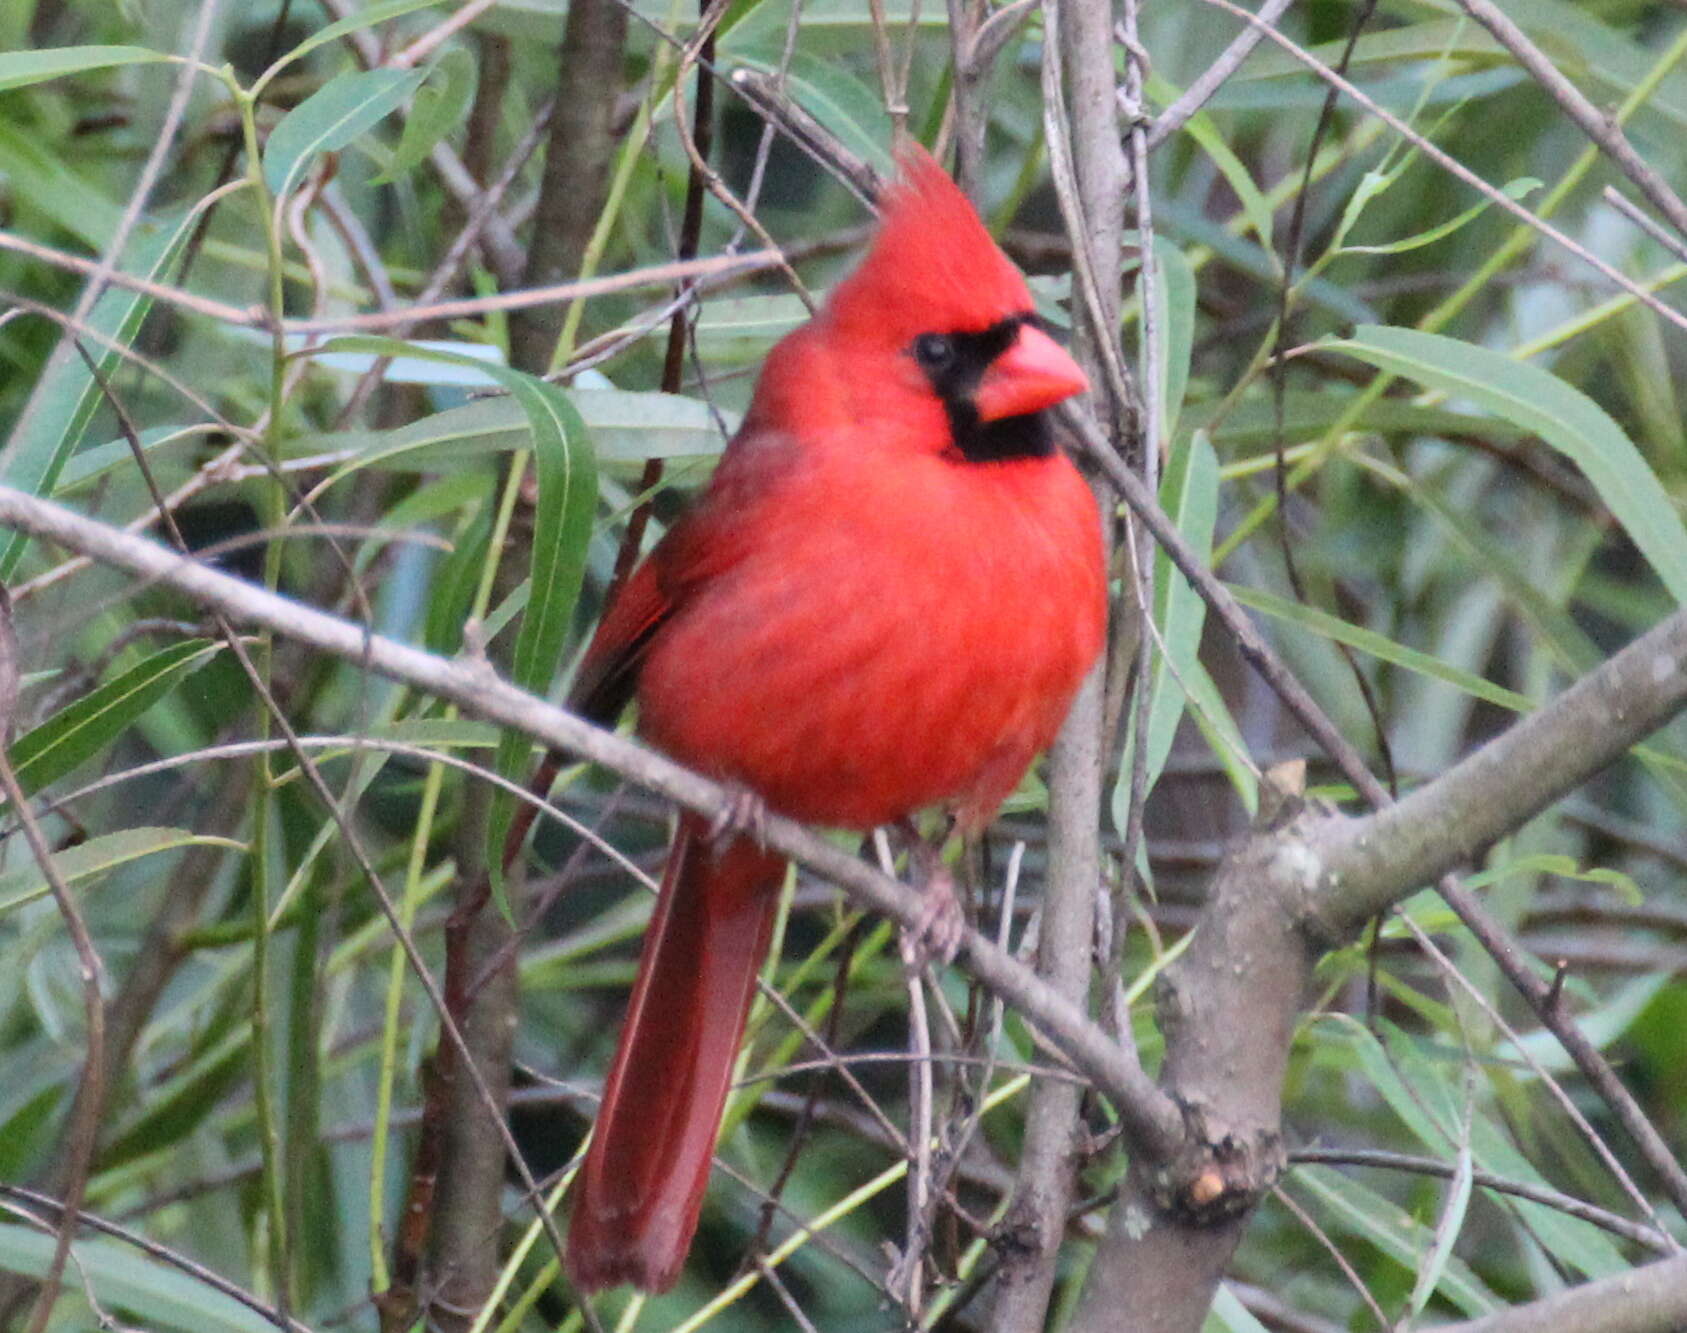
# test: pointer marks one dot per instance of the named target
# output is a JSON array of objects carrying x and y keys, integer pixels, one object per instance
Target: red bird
[{"x": 884, "y": 600}]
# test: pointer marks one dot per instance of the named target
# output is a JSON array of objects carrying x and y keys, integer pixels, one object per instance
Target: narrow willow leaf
[
  {"x": 1517, "y": 189},
  {"x": 18, "y": 69},
  {"x": 1380, "y": 646},
  {"x": 364, "y": 18},
  {"x": 832, "y": 95},
  {"x": 1205, "y": 133},
  {"x": 1447, "y": 1229},
  {"x": 626, "y": 426},
  {"x": 40, "y": 181},
  {"x": 84, "y": 728},
  {"x": 1565, "y": 418},
  {"x": 441, "y": 103},
  {"x": 64, "y": 398},
  {"x": 25, "y": 883},
  {"x": 1414, "y": 1082},
  {"x": 1174, "y": 307},
  {"x": 1230, "y": 1314},
  {"x": 1189, "y": 495},
  {"x": 90, "y": 464},
  {"x": 330, "y": 118},
  {"x": 123, "y": 1278},
  {"x": 567, "y": 475},
  {"x": 1359, "y": 1211}
]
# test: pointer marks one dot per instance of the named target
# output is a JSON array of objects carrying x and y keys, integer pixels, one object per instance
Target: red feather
[{"x": 858, "y": 619}]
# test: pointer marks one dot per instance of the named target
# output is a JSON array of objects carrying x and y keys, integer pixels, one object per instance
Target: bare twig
[
  {"x": 1454, "y": 167},
  {"x": 1199, "y": 93},
  {"x": 83, "y": 1131},
  {"x": 1649, "y": 1237},
  {"x": 1152, "y": 1121},
  {"x": 1593, "y": 122},
  {"x": 1632, "y": 211},
  {"x": 1644, "y": 1300},
  {"x": 17, "y": 1194}
]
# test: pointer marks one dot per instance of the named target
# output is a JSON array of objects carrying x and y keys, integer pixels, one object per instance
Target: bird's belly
[{"x": 854, "y": 701}]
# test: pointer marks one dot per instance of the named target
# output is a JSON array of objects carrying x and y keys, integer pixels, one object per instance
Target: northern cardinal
[{"x": 884, "y": 600}]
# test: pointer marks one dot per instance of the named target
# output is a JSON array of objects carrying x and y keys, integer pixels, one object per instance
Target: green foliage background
[{"x": 1485, "y": 454}]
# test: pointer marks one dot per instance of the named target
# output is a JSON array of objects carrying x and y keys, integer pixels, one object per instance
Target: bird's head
[{"x": 937, "y": 317}]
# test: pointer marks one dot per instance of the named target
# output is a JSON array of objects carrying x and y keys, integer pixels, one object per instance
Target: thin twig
[
  {"x": 198, "y": 1272},
  {"x": 1450, "y": 164},
  {"x": 1599, "y": 127},
  {"x": 1199, "y": 93},
  {"x": 1153, "y": 1123},
  {"x": 83, "y": 1132}
]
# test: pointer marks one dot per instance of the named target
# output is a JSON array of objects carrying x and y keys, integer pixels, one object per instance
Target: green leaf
[
  {"x": 1203, "y": 131},
  {"x": 1516, "y": 189},
  {"x": 567, "y": 476},
  {"x": 626, "y": 426},
  {"x": 1447, "y": 1229},
  {"x": 1174, "y": 301},
  {"x": 25, "y": 883},
  {"x": 64, "y": 398},
  {"x": 39, "y": 180},
  {"x": 1412, "y": 1078},
  {"x": 1565, "y": 418},
  {"x": 182, "y": 1102},
  {"x": 1379, "y": 646},
  {"x": 19, "y": 69},
  {"x": 441, "y": 103},
  {"x": 331, "y": 117},
  {"x": 1363, "y": 1212},
  {"x": 24, "y": 1132},
  {"x": 364, "y": 18},
  {"x": 94, "y": 462},
  {"x": 1251, "y": 424},
  {"x": 567, "y": 473},
  {"x": 1564, "y": 867},
  {"x": 122, "y": 1277},
  {"x": 1189, "y": 496},
  {"x": 1229, "y": 1315},
  {"x": 832, "y": 95},
  {"x": 86, "y": 727}
]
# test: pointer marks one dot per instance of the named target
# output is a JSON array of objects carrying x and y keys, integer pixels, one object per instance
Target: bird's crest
[{"x": 931, "y": 261}]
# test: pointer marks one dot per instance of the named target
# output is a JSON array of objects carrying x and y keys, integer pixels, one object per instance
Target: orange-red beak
[{"x": 1035, "y": 372}]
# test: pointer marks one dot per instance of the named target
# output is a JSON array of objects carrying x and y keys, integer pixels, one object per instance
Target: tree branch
[
  {"x": 1646, "y": 1300},
  {"x": 1370, "y": 863},
  {"x": 1151, "y": 1120}
]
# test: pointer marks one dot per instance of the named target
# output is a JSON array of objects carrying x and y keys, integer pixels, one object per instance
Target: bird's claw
[
  {"x": 937, "y": 933},
  {"x": 743, "y": 815}
]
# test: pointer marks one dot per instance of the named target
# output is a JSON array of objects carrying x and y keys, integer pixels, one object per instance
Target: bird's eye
[{"x": 934, "y": 351}]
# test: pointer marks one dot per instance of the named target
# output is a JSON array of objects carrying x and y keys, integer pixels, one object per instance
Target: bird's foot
[
  {"x": 743, "y": 816},
  {"x": 937, "y": 933}
]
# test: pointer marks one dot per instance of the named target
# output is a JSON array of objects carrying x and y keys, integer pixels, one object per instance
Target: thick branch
[
  {"x": 1646, "y": 1300},
  {"x": 1152, "y": 1122},
  {"x": 1093, "y": 204},
  {"x": 577, "y": 161},
  {"x": 1371, "y": 863}
]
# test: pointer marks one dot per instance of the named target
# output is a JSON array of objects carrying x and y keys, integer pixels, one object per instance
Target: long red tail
[{"x": 641, "y": 1188}]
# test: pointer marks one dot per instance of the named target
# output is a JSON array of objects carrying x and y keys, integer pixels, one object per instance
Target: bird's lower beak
[{"x": 1035, "y": 372}]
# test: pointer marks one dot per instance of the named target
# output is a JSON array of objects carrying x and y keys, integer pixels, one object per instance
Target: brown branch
[
  {"x": 1594, "y": 123},
  {"x": 1079, "y": 108},
  {"x": 1635, "y": 1233},
  {"x": 1152, "y": 1122},
  {"x": 1453, "y": 167},
  {"x": 82, "y": 1132},
  {"x": 577, "y": 162},
  {"x": 1646, "y": 1300}
]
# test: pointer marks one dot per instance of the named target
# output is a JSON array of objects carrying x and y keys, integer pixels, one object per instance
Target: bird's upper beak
[{"x": 1033, "y": 373}]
